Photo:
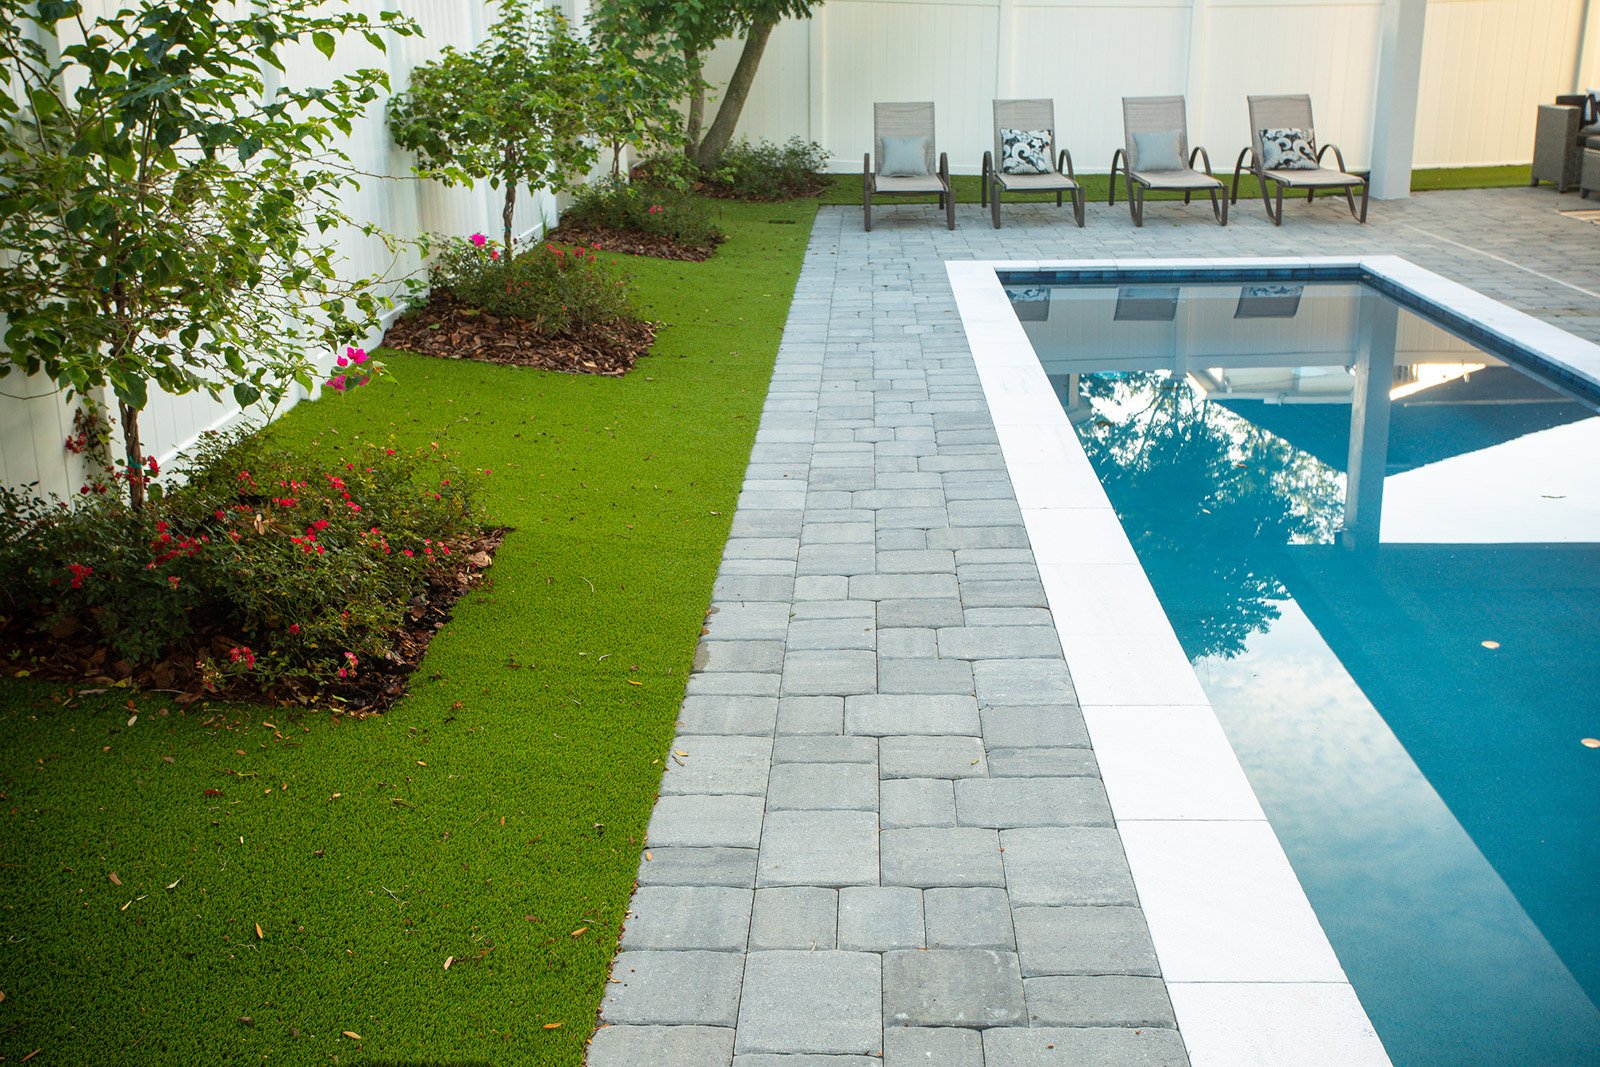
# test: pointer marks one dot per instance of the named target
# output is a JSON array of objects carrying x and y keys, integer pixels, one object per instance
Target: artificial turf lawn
[
  {"x": 846, "y": 188},
  {"x": 495, "y": 815}
]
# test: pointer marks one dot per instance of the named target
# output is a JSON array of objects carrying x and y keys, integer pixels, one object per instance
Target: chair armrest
[
  {"x": 988, "y": 163},
  {"x": 944, "y": 169},
  {"x": 1205, "y": 159},
  {"x": 1064, "y": 163},
  {"x": 1580, "y": 101},
  {"x": 1238, "y": 164},
  {"x": 1338, "y": 156}
]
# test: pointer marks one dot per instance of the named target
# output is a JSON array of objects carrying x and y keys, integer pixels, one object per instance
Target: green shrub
[
  {"x": 661, "y": 212},
  {"x": 265, "y": 565},
  {"x": 765, "y": 171},
  {"x": 562, "y": 290}
]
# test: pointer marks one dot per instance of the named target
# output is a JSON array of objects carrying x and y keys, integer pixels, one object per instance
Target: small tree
[
  {"x": 164, "y": 215},
  {"x": 512, "y": 111},
  {"x": 692, "y": 28},
  {"x": 635, "y": 94}
]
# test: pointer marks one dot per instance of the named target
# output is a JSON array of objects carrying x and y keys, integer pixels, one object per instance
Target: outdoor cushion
[
  {"x": 1024, "y": 151},
  {"x": 904, "y": 157},
  {"x": 1288, "y": 149},
  {"x": 1157, "y": 150}
]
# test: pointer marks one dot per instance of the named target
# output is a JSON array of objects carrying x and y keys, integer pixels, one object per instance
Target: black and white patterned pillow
[
  {"x": 1024, "y": 151},
  {"x": 1288, "y": 149}
]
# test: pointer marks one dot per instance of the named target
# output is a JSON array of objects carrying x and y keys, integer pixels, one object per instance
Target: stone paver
[
  {"x": 882, "y": 739},
  {"x": 952, "y": 987},
  {"x": 661, "y": 1046},
  {"x": 816, "y": 1002}
]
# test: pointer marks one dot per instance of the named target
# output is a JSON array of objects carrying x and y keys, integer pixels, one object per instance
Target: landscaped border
[{"x": 1251, "y": 973}]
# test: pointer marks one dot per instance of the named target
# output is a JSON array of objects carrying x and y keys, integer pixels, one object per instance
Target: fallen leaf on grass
[
  {"x": 213, "y": 792},
  {"x": 632, "y": 682},
  {"x": 168, "y": 759},
  {"x": 352, "y": 1035},
  {"x": 422, "y": 763},
  {"x": 648, "y": 857},
  {"x": 579, "y": 932},
  {"x": 125, "y": 906},
  {"x": 448, "y": 960},
  {"x": 551, "y": 1026},
  {"x": 32, "y": 1054},
  {"x": 259, "y": 935},
  {"x": 114, "y": 879},
  {"x": 174, "y": 885},
  {"x": 132, "y": 719}
]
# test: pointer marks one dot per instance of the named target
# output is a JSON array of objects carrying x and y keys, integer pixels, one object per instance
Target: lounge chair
[
  {"x": 901, "y": 169},
  {"x": 1024, "y": 165},
  {"x": 1156, "y": 156},
  {"x": 1296, "y": 160}
]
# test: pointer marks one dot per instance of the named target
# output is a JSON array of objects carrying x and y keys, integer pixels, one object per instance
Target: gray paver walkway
[{"x": 888, "y": 837}]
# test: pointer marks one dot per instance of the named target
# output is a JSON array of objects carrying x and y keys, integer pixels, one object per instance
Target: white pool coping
[{"x": 1252, "y": 975}]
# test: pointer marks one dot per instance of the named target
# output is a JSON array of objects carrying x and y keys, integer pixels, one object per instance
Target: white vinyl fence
[{"x": 1485, "y": 65}]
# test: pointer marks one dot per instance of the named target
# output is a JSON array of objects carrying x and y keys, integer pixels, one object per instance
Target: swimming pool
[{"x": 1377, "y": 542}]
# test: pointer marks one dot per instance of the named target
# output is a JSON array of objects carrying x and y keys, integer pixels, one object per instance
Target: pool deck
[{"x": 883, "y": 831}]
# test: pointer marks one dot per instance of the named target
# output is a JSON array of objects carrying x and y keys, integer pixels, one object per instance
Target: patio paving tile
[{"x": 879, "y": 642}]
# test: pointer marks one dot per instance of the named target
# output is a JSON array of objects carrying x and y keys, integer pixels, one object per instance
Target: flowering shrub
[
  {"x": 266, "y": 564},
  {"x": 765, "y": 171},
  {"x": 663, "y": 212},
  {"x": 355, "y": 369},
  {"x": 561, "y": 289}
]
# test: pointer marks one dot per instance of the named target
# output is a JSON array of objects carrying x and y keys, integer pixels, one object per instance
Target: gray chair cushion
[
  {"x": 1032, "y": 182},
  {"x": 904, "y": 157},
  {"x": 1157, "y": 150},
  {"x": 1318, "y": 176},
  {"x": 1288, "y": 149}
]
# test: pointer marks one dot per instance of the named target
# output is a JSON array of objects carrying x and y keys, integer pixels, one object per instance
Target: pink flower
[
  {"x": 494, "y": 253},
  {"x": 478, "y": 239},
  {"x": 655, "y": 209},
  {"x": 336, "y": 383},
  {"x": 357, "y": 355},
  {"x": 341, "y": 361}
]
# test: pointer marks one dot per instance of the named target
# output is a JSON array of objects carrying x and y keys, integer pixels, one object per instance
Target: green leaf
[{"x": 324, "y": 42}]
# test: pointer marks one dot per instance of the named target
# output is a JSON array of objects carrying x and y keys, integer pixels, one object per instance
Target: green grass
[
  {"x": 846, "y": 188},
  {"x": 525, "y": 761}
]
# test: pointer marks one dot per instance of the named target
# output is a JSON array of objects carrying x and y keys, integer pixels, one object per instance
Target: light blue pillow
[
  {"x": 1157, "y": 151},
  {"x": 904, "y": 157}
]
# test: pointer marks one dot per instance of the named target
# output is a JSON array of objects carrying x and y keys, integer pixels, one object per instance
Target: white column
[
  {"x": 1394, "y": 120},
  {"x": 1195, "y": 75}
]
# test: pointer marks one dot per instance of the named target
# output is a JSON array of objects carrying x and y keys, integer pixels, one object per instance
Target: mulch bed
[
  {"x": 446, "y": 328},
  {"x": 631, "y": 242},
  {"x": 69, "y": 653}
]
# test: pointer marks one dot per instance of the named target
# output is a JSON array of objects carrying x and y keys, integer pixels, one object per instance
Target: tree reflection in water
[{"x": 1209, "y": 500}]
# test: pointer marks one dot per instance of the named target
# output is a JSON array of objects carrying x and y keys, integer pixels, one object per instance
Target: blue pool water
[{"x": 1380, "y": 547}]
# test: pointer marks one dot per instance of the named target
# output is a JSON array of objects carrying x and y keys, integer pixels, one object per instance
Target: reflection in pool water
[{"x": 1381, "y": 549}]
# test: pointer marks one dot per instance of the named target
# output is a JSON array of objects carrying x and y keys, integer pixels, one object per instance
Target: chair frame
[
  {"x": 993, "y": 180},
  {"x": 1257, "y": 166},
  {"x": 1137, "y": 187},
  {"x": 869, "y": 176}
]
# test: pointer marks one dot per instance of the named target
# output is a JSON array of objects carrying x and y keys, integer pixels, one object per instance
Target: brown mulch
[
  {"x": 69, "y": 652},
  {"x": 446, "y": 328},
  {"x": 631, "y": 242}
]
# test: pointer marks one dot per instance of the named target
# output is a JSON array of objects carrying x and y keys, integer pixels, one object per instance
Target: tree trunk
[
  {"x": 508, "y": 212},
  {"x": 744, "y": 75},
  {"x": 697, "y": 103},
  {"x": 133, "y": 453}
]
